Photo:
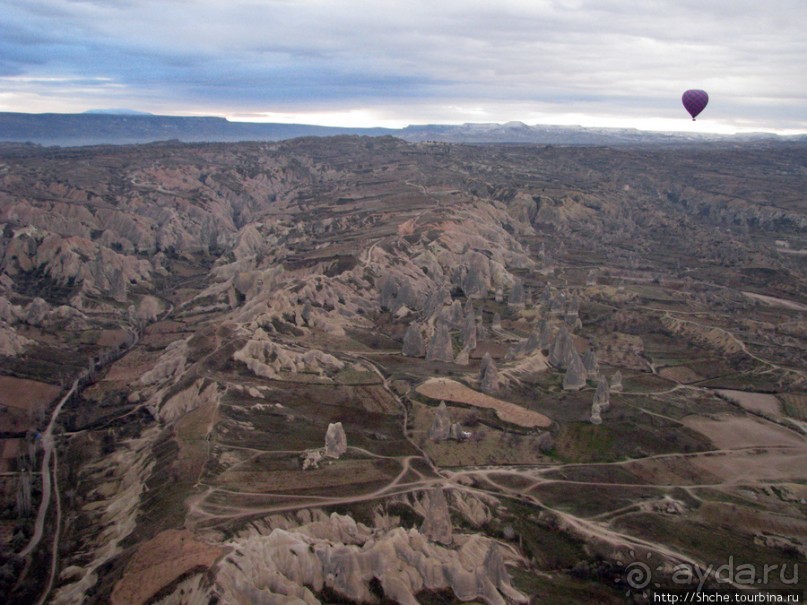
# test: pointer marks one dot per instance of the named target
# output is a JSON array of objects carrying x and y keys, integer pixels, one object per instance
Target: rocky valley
[{"x": 364, "y": 370}]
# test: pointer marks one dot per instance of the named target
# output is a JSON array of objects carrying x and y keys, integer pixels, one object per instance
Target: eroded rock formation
[
  {"x": 596, "y": 417},
  {"x": 289, "y": 566},
  {"x": 413, "y": 343},
  {"x": 575, "y": 377},
  {"x": 437, "y": 523},
  {"x": 591, "y": 364},
  {"x": 616, "y": 382},
  {"x": 440, "y": 346},
  {"x": 335, "y": 440},
  {"x": 441, "y": 425},
  {"x": 560, "y": 353},
  {"x": 488, "y": 375},
  {"x": 602, "y": 396}
]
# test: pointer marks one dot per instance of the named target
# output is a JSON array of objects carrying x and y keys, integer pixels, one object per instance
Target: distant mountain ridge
[
  {"x": 116, "y": 129},
  {"x": 120, "y": 111},
  {"x": 119, "y": 126}
]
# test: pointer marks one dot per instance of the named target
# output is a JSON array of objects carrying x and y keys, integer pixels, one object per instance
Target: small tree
[{"x": 24, "y": 493}]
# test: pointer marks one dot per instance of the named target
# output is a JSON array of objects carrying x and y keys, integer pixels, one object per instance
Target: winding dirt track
[
  {"x": 483, "y": 482},
  {"x": 50, "y": 487},
  {"x": 47, "y": 474}
]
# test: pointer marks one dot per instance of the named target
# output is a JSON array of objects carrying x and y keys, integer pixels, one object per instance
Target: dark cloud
[{"x": 552, "y": 57}]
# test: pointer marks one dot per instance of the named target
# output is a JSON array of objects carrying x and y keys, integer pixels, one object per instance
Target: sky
[{"x": 598, "y": 63}]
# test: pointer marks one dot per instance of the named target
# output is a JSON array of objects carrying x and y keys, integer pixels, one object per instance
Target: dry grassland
[{"x": 159, "y": 562}]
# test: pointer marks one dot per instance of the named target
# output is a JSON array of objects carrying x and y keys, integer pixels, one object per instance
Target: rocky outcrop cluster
[
  {"x": 560, "y": 353},
  {"x": 528, "y": 346},
  {"x": 75, "y": 261},
  {"x": 266, "y": 358},
  {"x": 11, "y": 343},
  {"x": 200, "y": 393},
  {"x": 335, "y": 446},
  {"x": 442, "y": 429},
  {"x": 37, "y": 313},
  {"x": 572, "y": 314},
  {"x": 290, "y": 565}
]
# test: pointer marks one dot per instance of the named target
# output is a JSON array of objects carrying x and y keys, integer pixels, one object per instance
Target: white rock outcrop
[
  {"x": 189, "y": 399},
  {"x": 616, "y": 382},
  {"x": 488, "y": 375},
  {"x": 335, "y": 440},
  {"x": 591, "y": 364},
  {"x": 560, "y": 353},
  {"x": 437, "y": 522},
  {"x": 544, "y": 335},
  {"x": 440, "y": 346},
  {"x": 602, "y": 396},
  {"x": 463, "y": 358},
  {"x": 413, "y": 343},
  {"x": 458, "y": 433},
  {"x": 288, "y": 566},
  {"x": 468, "y": 332},
  {"x": 575, "y": 377},
  {"x": 441, "y": 425},
  {"x": 516, "y": 298},
  {"x": 596, "y": 416},
  {"x": 269, "y": 359},
  {"x": 11, "y": 343}
]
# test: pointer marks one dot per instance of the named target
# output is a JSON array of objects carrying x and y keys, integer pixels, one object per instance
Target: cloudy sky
[{"x": 391, "y": 63}]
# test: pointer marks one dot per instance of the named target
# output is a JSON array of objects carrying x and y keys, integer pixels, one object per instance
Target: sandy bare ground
[
  {"x": 751, "y": 467},
  {"x": 781, "y": 454},
  {"x": 755, "y": 402},
  {"x": 680, "y": 374},
  {"x": 21, "y": 394},
  {"x": 132, "y": 366},
  {"x": 18, "y": 397},
  {"x": 450, "y": 390},
  {"x": 776, "y": 302},
  {"x": 730, "y": 432},
  {"x": 111, "y": 338},
  {"x": 159, "y": 562}
]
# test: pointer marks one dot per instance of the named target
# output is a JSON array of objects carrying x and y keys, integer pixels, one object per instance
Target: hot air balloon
[{"x": 694, "y": 101}]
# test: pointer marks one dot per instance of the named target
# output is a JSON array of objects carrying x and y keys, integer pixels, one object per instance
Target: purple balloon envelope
[{"x": 694, "y": 101}]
